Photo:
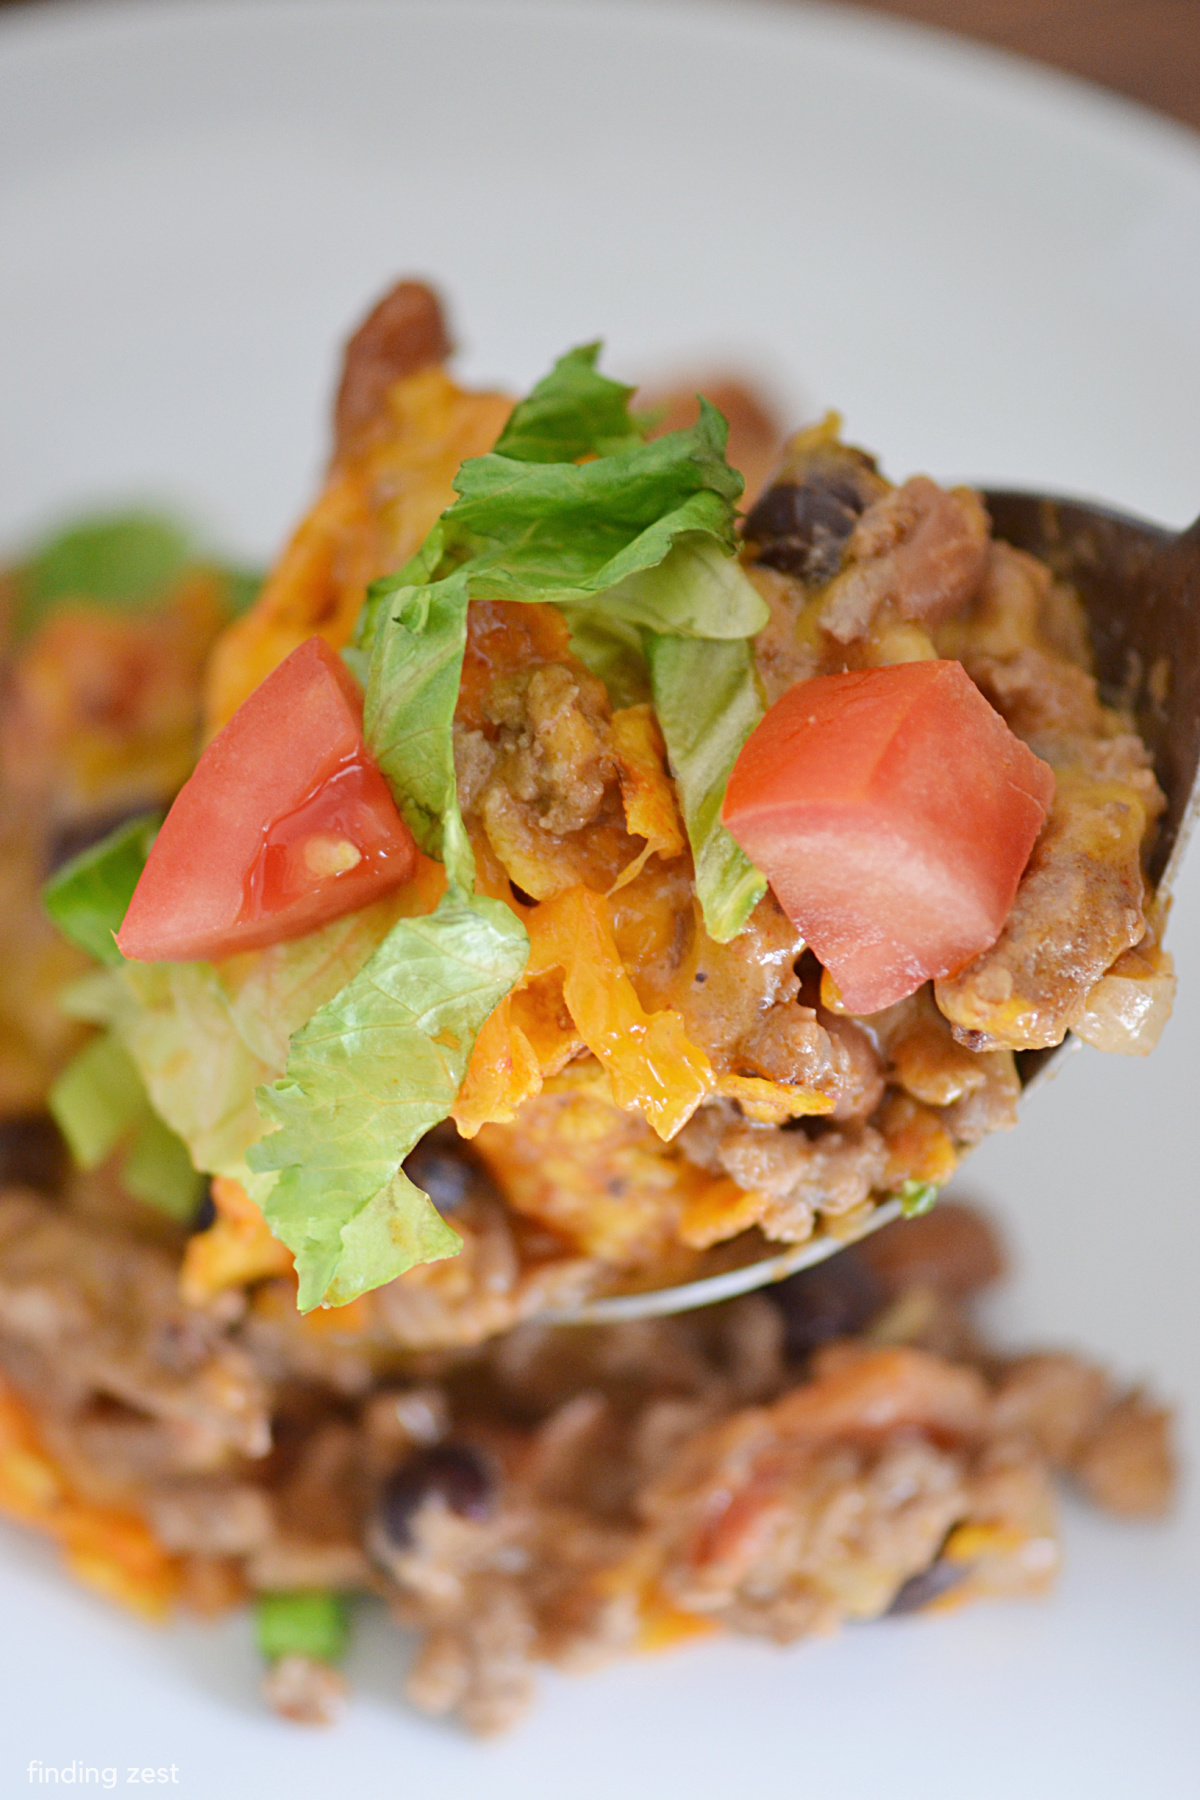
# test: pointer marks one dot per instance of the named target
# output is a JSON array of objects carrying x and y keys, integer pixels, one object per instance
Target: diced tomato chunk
[
  {"x": 285, "y": 823},
  {"x": 893, "y": 812}
]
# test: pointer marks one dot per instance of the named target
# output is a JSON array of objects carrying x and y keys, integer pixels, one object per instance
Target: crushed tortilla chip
[
  {"x": 596, "y": 1175},
  {"x": 648, "y": 797},
  {"x": 719, "y": 1211}
]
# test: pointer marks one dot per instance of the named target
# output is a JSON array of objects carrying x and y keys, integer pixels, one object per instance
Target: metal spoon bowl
[{"x": 1140, "y": 588}]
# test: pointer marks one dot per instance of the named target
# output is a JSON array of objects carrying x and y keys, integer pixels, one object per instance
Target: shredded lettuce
[
  {"x": 98, "y": 1101},
  {"x": 126, "y": 559},
  {"x": 170, "y": 1073},
  {"x": 271, "y": 993},
  {"x": 123, "y": 559},
  {"x": 532, "y": 522},
  {"x": 917, "y": 1197},
  {"x": 301, "y": 1622},
  {"x": 368, "y": 1076},
  {"x": 612, "y": 650},
  {"x": 570, "y": 531},
  {"x": 638, "y": 539},
  {"x": 707, "y": 701},
  {"x": 408, "y": 716},
  {"x": 572, "y": 412},
  {"x": 174, "y": 1020},
  {"x": 159, "y": 1171},
  {"x": 308, "y": 1071},
  {"x": 697, "y": 591},
  {"x": 87, "y": 898},
  {"x": 381, "y": 1017},
  {"x": 205, "y": 1037}
]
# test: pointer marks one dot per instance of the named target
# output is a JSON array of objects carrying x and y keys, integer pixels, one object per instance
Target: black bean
[
  {"x": 835, "y": 1299},
  {"x": 801, "y": 527},
  {"x": 454, "y": 1471},
  {"x": 930, "y": 1584},
  {"x": 33, "y": 1153},
  {"x": 443, "y": 1174},
  {"x": 205, "y": 1216}
]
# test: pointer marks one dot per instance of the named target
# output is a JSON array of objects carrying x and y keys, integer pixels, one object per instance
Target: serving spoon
[{"x": 1140, "y": 588}]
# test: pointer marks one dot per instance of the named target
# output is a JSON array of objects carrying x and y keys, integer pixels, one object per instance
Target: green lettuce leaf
[
  {"x": 917, "y": 1197},
  {"x": 698, "y": 590},
  {"x": 127, "y": 560},
  {"x": 310, "y": 1622},
  {"x": 612, "y": 650},
  {"x": 271, "y": 993},
  {"x": 99, "y": 1100},
  {"x": 707, "y": 700},
  {"x": 175, "y": 1022},
  {"x": 419, "y": 571},
  {"x": 572, "y": 412},
  {"x": 121, "y": 559},
  {"x": 408, "y": 716},
  {"x": 562, "y": 531},
  {"x": 205, "y": 1037},
  {"x": 87, "y": 898},
  {"x": 172, "y": 1065},
  {"x": 640, "y": 537},
  {"x": 159, "y": 1171},
  {"x": 366, "y": 1078}
]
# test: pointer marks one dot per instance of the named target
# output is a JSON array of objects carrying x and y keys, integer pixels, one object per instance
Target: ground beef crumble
[{"x": 837, "y": 1448}]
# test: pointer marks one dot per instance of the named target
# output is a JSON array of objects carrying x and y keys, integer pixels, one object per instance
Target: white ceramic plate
[{"x": 993, "y": 272}]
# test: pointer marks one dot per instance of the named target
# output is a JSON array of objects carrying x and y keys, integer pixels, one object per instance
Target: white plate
[{"x": 993, "y": 272}]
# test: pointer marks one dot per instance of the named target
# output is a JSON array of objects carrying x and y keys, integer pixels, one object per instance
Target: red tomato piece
[
  {"x": 893, "y": 812},
  {"x": 285, "y": 824}
]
